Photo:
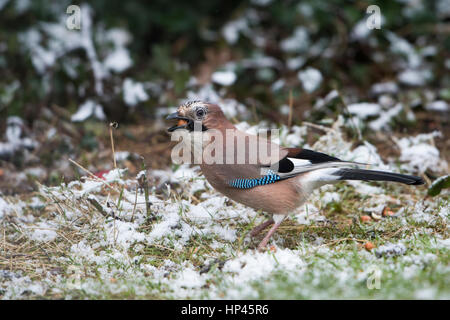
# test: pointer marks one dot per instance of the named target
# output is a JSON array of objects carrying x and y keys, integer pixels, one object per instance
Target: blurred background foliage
[{"x": 172, "y": 40}]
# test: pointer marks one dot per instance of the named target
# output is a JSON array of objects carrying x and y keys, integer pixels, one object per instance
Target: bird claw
[
  {"x": 269, "y": 234},
  {"x": 262, "y": 245}
]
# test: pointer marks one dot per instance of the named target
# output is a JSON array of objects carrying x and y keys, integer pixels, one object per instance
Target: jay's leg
[
  {"x": 260, "y": 227},
  {"x": 278, "y": 219}
]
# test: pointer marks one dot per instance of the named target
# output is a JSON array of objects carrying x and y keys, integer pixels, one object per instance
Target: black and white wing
[{"x": 328, "y": 168}]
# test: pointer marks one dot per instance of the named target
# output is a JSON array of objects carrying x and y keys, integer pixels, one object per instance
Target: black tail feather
[{"x": 373, "y": 175}]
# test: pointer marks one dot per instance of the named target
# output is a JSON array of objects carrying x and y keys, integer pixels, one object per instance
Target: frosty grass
[{"x": 93, "y": 239}]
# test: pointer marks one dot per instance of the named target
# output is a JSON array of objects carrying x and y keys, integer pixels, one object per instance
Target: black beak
[
  {"x": 176, "y": 116},
  {"x": 172, "y": 116}
]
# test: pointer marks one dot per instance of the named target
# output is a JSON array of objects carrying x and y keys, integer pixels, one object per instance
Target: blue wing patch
[{"x": 251, "y": 183}]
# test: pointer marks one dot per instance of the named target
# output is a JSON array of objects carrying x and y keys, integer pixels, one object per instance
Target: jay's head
[{"x": 197, "y": 115}]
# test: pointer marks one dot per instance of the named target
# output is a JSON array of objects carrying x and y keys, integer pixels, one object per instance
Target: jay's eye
[{"x": 200, "y": 113}]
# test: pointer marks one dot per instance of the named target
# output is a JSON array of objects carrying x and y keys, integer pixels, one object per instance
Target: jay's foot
[
  {"x": 262, "y": 245},
  {"x": 260, "y": 227}
]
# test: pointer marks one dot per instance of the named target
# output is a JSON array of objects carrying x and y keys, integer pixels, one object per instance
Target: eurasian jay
[{"x": 277, "y": 183}]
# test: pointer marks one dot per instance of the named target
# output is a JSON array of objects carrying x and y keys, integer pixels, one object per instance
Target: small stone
[
  {"x": 369, "y": 246},
  {"x": 375, "y": 216},
  {"x": 387, "y": 212}
]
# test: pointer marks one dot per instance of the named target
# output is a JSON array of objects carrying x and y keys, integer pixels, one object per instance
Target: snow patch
[
  {"x": 298, "y": 42},
  {"x": 420, "y": 154},
  {"x": 224, "y": 78},
  {"x": 88, "y": 109},
  {"x": 439, "y": 106},
  {"x": 364, "y": 110},
  {"x": 133, "y": 92},
  {"x": 311, "y": 79}
]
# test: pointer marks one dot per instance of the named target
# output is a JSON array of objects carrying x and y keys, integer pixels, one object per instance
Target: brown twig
[
  {"x": 111, "y": 126},
  {"x": 90, "y": 173},
  {"x": 291, "y": 109}
]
